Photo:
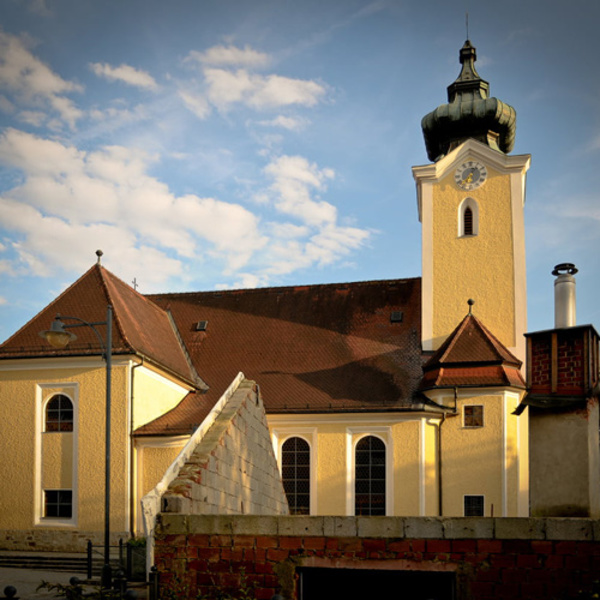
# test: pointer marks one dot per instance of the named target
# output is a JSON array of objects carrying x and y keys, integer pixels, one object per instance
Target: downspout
[
  {"x": 440, "y": 495},
  {"x": 132, "y": 467}
]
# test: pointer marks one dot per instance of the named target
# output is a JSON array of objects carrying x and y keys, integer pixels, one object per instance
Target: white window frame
[
  {"x": 45, "y": 412},
  {"x": 353, "y": 436},
  {"x": 474, "y": 206},
  {"x": 465, "y": 496},
  {"x": 309, "y": 434},
  {"x": 44, "y": 393}
]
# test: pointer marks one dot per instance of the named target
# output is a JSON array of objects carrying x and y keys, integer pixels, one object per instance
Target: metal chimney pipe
[{"x": 564, "y": 295}]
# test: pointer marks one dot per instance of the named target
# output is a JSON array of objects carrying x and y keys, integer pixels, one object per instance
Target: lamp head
[{"x": 57, "y": 335}]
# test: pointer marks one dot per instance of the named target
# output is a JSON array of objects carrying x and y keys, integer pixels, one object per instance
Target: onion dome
[{"x": 470, "y": 113}]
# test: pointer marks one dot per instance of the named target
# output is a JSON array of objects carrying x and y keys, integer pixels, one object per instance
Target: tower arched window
[
  {"x": 369, "y": 480},
  {"x": 468, "y": 218},
  {"x": 59, "y": 414},
  {"x": 295, "y": 473}
]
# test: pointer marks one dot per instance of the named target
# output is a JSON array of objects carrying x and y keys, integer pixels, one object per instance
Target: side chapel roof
[
  {"x": 139, "y": 326},
  {"x": 472, "y": 356}
]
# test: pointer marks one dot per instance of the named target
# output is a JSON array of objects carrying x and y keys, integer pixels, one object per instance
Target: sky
[{"x": 218, "y": 144}]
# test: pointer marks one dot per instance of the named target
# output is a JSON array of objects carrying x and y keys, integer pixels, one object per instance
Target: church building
[{"x": 404, "y": 397}]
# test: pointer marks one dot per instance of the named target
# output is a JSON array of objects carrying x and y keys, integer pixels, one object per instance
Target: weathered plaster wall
[
  {"x": 560, "y": 462},
  {"x": 491, "y": 558}
]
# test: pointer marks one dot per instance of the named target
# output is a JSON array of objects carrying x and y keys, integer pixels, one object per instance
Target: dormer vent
[
  {"x": 396, "y": 316},
  {"x": 564, "y": 295},
  {"x": 201, "y": 325}
]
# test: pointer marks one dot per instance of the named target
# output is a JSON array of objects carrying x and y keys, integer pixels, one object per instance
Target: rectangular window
[
  {"x": 473, "y": 416},
  {"x": 474, "y": 506},
  {"x": 58, "y": 504}
]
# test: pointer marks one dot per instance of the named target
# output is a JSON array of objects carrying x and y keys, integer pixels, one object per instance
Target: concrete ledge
[
  {"x": 512, "y": 528},
  {"x": 569, "y": 529},
  {"x": 468, "y": 528},
  {"x": 449, "y": 528}
]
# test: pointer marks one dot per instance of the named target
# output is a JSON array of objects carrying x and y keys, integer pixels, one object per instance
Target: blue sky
[{"x": 207, "y": 144}]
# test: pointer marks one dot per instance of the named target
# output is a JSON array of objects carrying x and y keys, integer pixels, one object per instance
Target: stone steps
[{"x": 58, "y": 563}]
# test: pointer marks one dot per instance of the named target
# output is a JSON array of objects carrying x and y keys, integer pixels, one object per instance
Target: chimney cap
[{"x": 565, "y": 269}]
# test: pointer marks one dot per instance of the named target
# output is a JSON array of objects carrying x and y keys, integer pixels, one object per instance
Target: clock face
[{"x": 470, "y": 175}]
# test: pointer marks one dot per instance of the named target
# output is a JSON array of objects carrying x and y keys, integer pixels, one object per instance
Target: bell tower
[{"x": 470, "y": 200}]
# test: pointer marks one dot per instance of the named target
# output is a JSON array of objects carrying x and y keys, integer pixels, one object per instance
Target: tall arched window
[
  {"x": 369, "y": 480},
  {"x": 295, "y": 472},
  {"x": 59, "y": 413},
  {"x": 468, "y": 221},
  {"x": 468, "y": 218}
]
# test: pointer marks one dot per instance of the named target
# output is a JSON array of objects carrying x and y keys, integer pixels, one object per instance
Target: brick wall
[
  {"x": 490, "y": 557},
  {"x": 574, "y": 360}
]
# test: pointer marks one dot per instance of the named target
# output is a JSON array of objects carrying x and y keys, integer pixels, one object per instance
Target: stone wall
[
  {"x": 55, "y": 540},
  {"x": 232, "y": 469},
  {"x": 489, "y": 557}
]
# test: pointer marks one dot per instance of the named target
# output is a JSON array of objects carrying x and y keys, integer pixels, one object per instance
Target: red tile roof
[
  {"x": 472, "y": 356},
  {"x": 139, "y": 326},
  {"x": 318, "y": 348}
]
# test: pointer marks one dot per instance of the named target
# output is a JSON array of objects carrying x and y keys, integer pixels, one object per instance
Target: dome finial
[{"x": 470, "y": 113}]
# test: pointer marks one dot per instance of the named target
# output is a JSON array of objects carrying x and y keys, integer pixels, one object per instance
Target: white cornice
[
  {"x": 64, "y": 362},
  {"x": 503, "y": 163}
]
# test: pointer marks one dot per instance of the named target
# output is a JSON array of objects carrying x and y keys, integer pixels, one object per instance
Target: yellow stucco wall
[
  {"x": 155, "y": 462},
  {"x": 57, "y": 460},
  {"x": 482, "y": 460},
  {"x": 51, "y": 460},
  {"x": 153, "y": 395},
  {"x": 480, "y": 267},
  {"x": 44, "y": 459},
  {"x": 411, "y": 443}
]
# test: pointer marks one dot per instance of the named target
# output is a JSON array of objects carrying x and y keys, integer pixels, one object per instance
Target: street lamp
[{"x": 58, "y": 337}]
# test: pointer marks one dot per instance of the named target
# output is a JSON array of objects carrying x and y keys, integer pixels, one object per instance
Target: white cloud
[
  {"x": 257, "y": 91},
  {"x": 196, "y": 103},
  {"x": 33, "y": 83},
  {"x": 125, "y": 73},
  {"x": 230, "y": 56},
  {"x": 74, "y": 199},
  {"x": 294, "y": 181},
  {"x": 290, "y": 123},
  {"x": 229, "y": 79},
  {"x": 32, "y": 117},
  {"x": 69, "y": 202}
]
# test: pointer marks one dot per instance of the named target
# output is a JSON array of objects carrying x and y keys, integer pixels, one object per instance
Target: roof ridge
[
  {"x": 49, "y": 306},
  {"x": 104, "y": 273},
  {"x": 283, "y": 287}
]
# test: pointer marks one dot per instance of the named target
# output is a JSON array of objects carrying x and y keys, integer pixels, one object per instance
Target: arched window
[
  {"x": 59, "y": 413},
  {"x": 468, "y": 218},
  {"x": 369, "y": 480},
  {"x": 468, "y": 221},
  {"x": 295, "y": 472}
]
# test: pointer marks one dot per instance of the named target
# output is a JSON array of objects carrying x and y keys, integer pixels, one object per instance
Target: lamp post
[{"x": 59, "y": 337}]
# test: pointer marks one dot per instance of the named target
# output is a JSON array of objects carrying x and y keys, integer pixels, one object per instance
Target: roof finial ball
[
  {"x": 470, "y": 302},
  {"x": 99, "y": 254}
]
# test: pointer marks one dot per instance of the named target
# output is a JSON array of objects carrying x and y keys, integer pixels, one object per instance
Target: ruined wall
[{"x": 233, "y": 469}]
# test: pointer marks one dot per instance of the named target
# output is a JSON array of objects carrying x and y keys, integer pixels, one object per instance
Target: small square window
[
  {"x": 58, "y": 504},
  {"x": 474, "y": 506},
  {"x": 473, "y": 416}
]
